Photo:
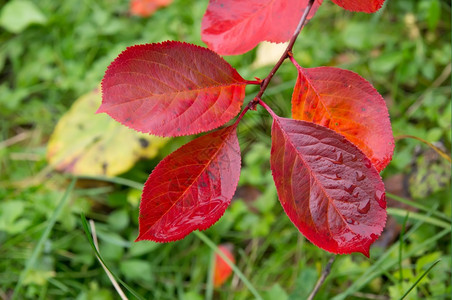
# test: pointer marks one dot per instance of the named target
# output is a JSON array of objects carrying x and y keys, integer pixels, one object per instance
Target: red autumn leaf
[
  {"x": 232, "y": 27},
  {"x": 222, "y": 270},
  {"x": 145, "y": 8},
  {"x": 368, "y": 6},
  {"x": 329, "y": 189},
  {"x": 345, "y": 102},
  {"x": 191, "y": 188},
  {"x": 171, "y": 89}
]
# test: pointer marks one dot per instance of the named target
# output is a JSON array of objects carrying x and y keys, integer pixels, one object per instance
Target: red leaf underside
[
  {"x": 171, "y": 89},
  {"x": 191, "y": 188},
  {"x": 368, "y": 6},
  {"x": 231, "y": 27},
  {"x": 329, "y": 189},
  {"x": 345, "y": 102}
]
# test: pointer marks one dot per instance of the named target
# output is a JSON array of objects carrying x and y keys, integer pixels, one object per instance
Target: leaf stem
[
  {"x": 294, "y": 62},
  {"x": 269, "y": 77},
  {"x": 241, "y": 115},
  {"x": 270, "y": 111},
  {"x": 255, "y": 82}
]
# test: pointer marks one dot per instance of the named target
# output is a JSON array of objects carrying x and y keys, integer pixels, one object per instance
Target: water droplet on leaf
[
  {"x": 339, "y": 159},
  {"x": 364, "y": 207},
  {"x": 351, "y": 221},
  {"x": 381, "y": 199},
  {"x": 350, "y": 188},
  {"x": 360, "y": 176}
]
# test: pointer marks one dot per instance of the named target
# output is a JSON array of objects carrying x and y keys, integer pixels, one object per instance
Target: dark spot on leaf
[
  {"x": 104, "y": 167},
  {"x": 211, "y": 176},
  {"x": 143, "y": 142},
  {"x": 81, "y": 126}
]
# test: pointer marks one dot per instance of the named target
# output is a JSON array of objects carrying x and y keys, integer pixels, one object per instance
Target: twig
[
  {"x": 322, "y": 278},
  {"x": 285, "y": 54},
  {"x": 14, "y": 140},
  {"x": 110, "y": 276}
]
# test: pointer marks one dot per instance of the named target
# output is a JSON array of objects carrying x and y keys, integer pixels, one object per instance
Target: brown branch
[
  {"x": 322, "y": 278},
  {"x": 285, "y": 54}
]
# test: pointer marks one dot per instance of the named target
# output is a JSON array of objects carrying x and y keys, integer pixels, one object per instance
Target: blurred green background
[{"x": 53, "y": 52}]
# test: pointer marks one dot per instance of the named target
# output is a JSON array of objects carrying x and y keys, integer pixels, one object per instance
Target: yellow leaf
[
  {"x": 94, "y": 144},
  {"x": 268, "y": 54}
]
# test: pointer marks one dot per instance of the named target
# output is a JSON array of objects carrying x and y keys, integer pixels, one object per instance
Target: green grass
[{"x": 47, "y": 249}]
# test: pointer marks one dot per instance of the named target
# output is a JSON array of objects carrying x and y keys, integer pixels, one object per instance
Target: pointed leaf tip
[
  {"x": 191, "y": 188},
  {"x": 171, "y": 89},
  {"x": 327, "y": 186}
]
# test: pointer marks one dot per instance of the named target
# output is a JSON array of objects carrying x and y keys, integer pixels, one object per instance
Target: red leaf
[
  {"x": 222, "y": 270},
  {"x": 191, "y": 188},
  {"x": 171, "y": 89},
  {"x": 345, "y": 102},
  {"x": 368, "y": 6},
  {"x": 327, "y": 186},
  {"x": 145, "y": 8},
  {"x": 232, "y": 27}
]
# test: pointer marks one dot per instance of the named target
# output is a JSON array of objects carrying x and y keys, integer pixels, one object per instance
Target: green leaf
[
  {"x": 304, "y": 284},
  {"x": 19, "y": 14},
  {"x": 276, "y": 292},
  {"x": 119, "y": 220},
  {"x": 135, "y": 269},
  {"x": 40, "y": 244},
  {"x": 433, "y": 13},
  {"x": 9, "y": 217},
  {"x": 101, "y": 260},
  {"x": 144, "y": 247}
]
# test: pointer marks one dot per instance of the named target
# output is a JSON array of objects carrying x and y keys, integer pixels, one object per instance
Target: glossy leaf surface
[
  {"x": 232, "y": 27},
  {"x": 345, "y": 102},
  {"x": 329, "y": 189},
  {"x": 222, "y": 271},
  {"x": 191, "y": 188},
  {"x": 87, "y": 144},
  {"x": 171, "y": 89},
  {"x": 368, "y": 6}
]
